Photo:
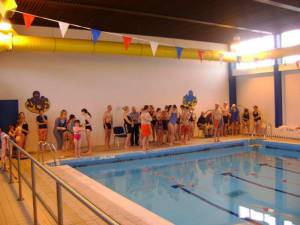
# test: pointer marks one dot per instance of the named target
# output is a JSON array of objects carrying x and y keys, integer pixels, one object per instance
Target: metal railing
[
  {"x": 42, "y": 148},
  {"x": 59, "y": 216}
]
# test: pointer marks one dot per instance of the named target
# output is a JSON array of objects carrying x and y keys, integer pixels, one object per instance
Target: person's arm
[
  {"x": 126, "y": 119},
  {"x": 56, "y": 125},
  {"x": 45, "y": 120}
]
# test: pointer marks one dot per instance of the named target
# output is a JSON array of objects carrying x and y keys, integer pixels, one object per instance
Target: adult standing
[
  {"x": 88, "y": 128},
  {"x": 128, "y": 125},
  {"x": 226, "y": 116},
  {"x": 107, "y": 125},
  {"x": 60, "y": 126},
  {"x": 217, "y": 118},
  {"x": 145, "y": 127},
  {"x": 135, "y": 116},
  {"x": 235, "y": 119},
  {"x": 172, "y": 125},
  {"x": 24, "y": 127}
]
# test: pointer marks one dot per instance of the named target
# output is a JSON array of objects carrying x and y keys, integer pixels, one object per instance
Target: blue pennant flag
[
  {"x": 179, "y": 52},
  {"x": 95, "y": 35}
]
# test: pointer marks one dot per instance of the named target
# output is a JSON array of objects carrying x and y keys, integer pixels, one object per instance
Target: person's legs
[
  {"x": 137, "y": 134},
  {"x": 59, "y": 140},
  {"x": 132, "y": 140},
  {"x": 88, "y": 134}
]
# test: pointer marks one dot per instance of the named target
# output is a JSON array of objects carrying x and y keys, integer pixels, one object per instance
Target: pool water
[{"x": 238, "y": 185}]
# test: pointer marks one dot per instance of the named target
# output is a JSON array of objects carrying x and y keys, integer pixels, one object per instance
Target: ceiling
[{"x": 167, "y": 18}]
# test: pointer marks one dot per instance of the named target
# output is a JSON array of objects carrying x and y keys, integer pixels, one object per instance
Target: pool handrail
[{"x": 59, "y": 184}]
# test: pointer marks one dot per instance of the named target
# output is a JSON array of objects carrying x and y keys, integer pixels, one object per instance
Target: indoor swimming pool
[{"x": 232, "y": 185}]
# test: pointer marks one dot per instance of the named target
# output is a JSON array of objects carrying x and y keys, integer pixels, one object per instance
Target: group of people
[
  {"x": 170, "y": 124},
  {"x": 223, "y": 121}
]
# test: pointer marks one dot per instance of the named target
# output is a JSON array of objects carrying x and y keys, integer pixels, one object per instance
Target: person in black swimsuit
[
  {"x": 256, "y": 119},
  {"x": 88, "y": 128},
  {"x": 246, "y": 121}
]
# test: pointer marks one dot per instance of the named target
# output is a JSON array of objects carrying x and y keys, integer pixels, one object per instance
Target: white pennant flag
[
  {"x": 154, "y": 46},
  {"x": 63, "y": 28}
]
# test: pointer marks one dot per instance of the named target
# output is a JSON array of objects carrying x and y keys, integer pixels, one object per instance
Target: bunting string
[{"x": 95, "y": 34}]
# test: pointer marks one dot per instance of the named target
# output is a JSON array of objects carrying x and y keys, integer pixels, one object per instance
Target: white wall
[
  {"x": 74, "y": 81},
  {"x": 291, "y": 98},
  {"x": 257, "y": 90}
]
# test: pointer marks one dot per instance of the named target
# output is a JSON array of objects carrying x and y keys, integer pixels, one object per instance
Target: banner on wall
[{"x": 37, "y": 103}]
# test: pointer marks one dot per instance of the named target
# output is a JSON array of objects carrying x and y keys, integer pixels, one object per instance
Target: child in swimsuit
[
  {"x": 88, "y": 128},
  {"x": 77, "y": 137},
  {"x": 159, "y": 127},
  {"x": 173, "y": 116},
  {"x": 184, "y": 124},
  {"x": 246, "y": 121},
  {"x": 257, "y": 119}
]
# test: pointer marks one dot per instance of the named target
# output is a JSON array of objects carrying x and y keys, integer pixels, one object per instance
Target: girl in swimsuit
[
  {"x": 159, "y": 127},
  {"x": 185, "y": 124},
  {"x": 77, "y": 137},
  {"x": 69, "y": 143},
  {"x": 173, "y": 116},
  {"x": 246, "y": 121},
  {"x": 88, "y": 128},
  {"x": 256, "y": 120},
  {"x": 42, "y": 123},
  {"x": 128, "y": 125},
  {"x": 192, "y": 120},
  {"x": 164, "y": 118}
]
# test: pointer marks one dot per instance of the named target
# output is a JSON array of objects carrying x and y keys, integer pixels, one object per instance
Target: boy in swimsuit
[{"x": 107, "y": 125}]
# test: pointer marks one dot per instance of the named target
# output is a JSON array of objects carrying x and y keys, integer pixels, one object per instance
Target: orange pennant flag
[
  {"x": 28, "y": 19},
  {"x": 127, "y": 42},
  {"x": 201, "y": 54}
]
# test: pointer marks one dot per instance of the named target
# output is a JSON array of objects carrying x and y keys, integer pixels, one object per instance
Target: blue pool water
[{"x": 237, "y": 185}]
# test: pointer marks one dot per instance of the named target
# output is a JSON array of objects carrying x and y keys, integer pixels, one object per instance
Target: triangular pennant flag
[
  {"x": 201, "y": 55},
  {"x": 63, "y": 28},
  {"x": 28, "y": 19},
  {"x": 95, "y": 35},
  {"x": 127, "y": 41},
  {"x": 179, "y": 52},
  {"x": 154, "y": 46}
]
